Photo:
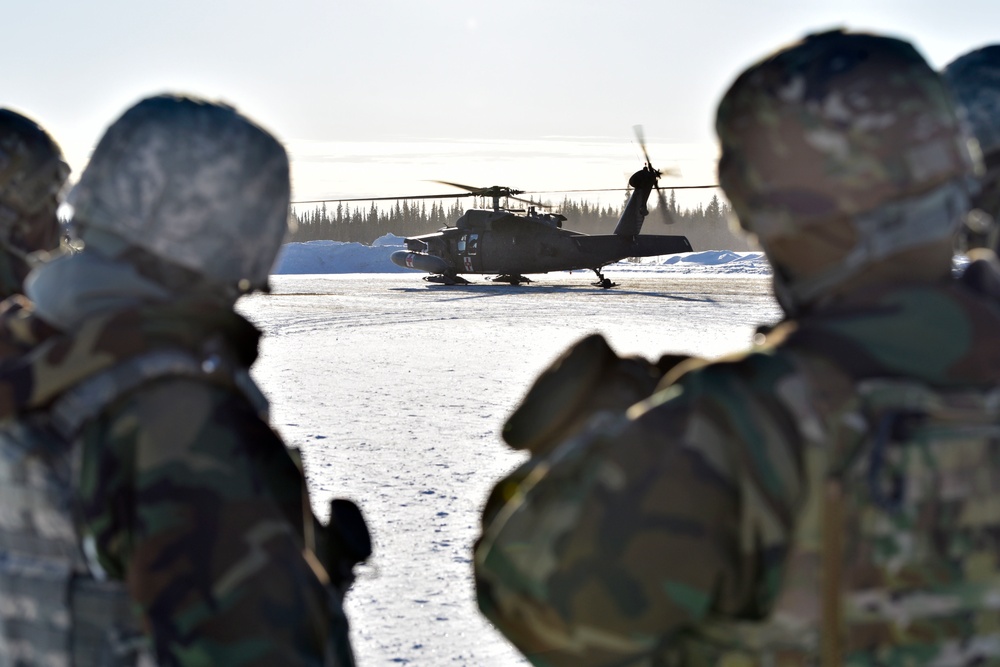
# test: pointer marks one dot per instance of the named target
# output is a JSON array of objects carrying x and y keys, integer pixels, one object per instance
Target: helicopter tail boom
[{"x": 607, "y": 249}]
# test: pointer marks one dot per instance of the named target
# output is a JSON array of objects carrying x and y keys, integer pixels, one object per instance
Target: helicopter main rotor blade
[
  {"x": 672, "y": 187},
  {"x": 485, "y": 192},
  {"x": 492, "y": 191},
  {"x": 532, "y": 202},
  {"x": 472, "y": 194},
  {"x": 334, "y": 201},
  {"x": 460, "y": 186}
]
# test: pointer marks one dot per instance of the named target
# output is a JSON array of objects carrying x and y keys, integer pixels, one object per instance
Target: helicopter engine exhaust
[{"x": 420, "y": 262}]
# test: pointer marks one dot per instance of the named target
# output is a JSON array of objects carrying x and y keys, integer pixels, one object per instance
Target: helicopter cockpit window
[{"x": 469, "y": 244}]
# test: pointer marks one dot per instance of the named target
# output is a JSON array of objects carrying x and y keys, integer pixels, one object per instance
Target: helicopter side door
[{"x": 468, "y": 252}]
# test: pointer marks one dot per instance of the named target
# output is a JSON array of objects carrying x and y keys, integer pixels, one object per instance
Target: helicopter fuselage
[{"x": 504, "y": 243}]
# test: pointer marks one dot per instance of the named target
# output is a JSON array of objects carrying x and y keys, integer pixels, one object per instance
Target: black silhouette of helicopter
[{"x": 509, "y": 243}]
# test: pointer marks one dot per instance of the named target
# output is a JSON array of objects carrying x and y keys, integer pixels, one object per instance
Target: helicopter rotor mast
[{"x": 496, "y": 192}]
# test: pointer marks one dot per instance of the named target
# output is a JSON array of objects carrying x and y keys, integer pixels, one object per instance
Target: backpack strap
[{"x": 87, "y": 399}]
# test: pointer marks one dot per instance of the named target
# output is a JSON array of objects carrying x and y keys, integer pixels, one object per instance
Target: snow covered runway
[{"x": 395, "y": 391}]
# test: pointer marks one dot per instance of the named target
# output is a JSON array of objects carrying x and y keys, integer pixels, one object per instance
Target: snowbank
[
  {"x": 705, "y": 261},
  {"x": 339, "y": 257}
]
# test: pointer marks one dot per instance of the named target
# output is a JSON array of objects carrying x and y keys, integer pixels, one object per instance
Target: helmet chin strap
[
  {"x": 176, "y": 279},
  {"x": 886, "y": 231}
]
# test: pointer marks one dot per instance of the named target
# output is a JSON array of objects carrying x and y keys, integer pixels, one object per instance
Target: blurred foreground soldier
[
  {"x": 974, "y": 80},
  {"x": 829, "y": 497},
  {"x": 141, "y": 474},
  {"x": 32, "y": 173}
]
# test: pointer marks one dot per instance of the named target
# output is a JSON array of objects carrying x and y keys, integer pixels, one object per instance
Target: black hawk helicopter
[{"x": 509, "y": 243}]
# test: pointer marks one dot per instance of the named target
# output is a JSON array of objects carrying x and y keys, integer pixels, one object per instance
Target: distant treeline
[{"x": 706, "y": 227}]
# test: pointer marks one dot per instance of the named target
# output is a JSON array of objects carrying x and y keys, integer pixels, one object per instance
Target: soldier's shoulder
[
  {"x": 730, "y": 399},
  {"x": 186, "y": 402},
  {"x": 188, "y": 431},
  {"x": 757, "y": 371}
]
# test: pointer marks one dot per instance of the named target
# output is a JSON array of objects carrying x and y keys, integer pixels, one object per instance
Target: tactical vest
[
  {"x": 55, "y": 608},
  {"x": 896, "y": 554}
]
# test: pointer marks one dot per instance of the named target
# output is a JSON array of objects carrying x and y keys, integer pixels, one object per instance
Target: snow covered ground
[{"x": 395, "y": 390}]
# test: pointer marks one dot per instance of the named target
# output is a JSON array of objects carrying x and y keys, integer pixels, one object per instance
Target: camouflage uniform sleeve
[
  {"x": 627, "y": 537},
  {"x": 194, "y": 502}
]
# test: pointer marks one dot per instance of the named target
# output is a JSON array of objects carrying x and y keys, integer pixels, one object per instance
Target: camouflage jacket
[
  {"x": 682, "y": 532},
  {"x": 187, "y": 495}
]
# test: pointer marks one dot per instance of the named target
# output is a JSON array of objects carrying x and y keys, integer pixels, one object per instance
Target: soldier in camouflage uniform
[
  {"x": 974, "y": 80},
  {"x": 140, "y": 472},
  {"x": 32, "y": 174},
  {"x": 828, "y": 497}
]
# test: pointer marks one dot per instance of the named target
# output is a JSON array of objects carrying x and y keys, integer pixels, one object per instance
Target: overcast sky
[{"x": 375, "y": 97}]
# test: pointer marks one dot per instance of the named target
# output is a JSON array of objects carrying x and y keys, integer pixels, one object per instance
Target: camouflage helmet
[
  {"x": 843, "y": 152},
  {"x": 974, "y": 80},
  {"x": 32, "y": 174},
  {"x": 192, "y": 182}
]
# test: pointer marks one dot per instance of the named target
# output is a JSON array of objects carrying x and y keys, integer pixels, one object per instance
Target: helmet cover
[
  {"x": 974, "y": 79},
  {"x": 840, "y": 151},
  {"x": 32, "y": 175},
  {"x": 193, "y": 182}
]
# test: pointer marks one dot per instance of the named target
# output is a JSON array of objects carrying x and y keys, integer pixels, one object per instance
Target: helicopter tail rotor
[{"x": 668, "y": 217}]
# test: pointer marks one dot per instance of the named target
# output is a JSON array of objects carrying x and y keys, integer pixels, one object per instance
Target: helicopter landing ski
[{"x": 511, "y": 279}]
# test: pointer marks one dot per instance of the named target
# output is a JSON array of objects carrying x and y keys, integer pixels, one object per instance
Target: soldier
[
  {"x": 140, "y": 472},
  {"x": 827, "y": 497},
  {"x": 974, "y": 79},
  {"x": 32, "y": 173}
]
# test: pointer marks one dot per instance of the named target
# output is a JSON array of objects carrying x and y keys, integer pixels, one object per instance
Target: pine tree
[{"x": 714, "y": 210}]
